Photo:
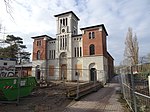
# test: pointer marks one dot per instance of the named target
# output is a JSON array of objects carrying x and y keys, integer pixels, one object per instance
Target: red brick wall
[
  {"x": 104, "y": 39},
  {"x": 110, "y": 66},
  {"x": 99, "y": 41},
  {"x": 42, "y": 49}
]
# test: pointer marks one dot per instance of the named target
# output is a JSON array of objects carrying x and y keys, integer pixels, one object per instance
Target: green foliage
[
  {"x": 8, "y": 52},
  {"x": 15, "y": 49}
]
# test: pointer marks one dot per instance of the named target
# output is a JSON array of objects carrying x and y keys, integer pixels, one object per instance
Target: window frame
[
  {"x": 92, "y": 49},
  {"x": 38, "y": 57},
  {"x": 75, "y": 52},
  {"x": 38, "y": 43},
  {"x": 91, "y": 35},
  {"x": 80, "y": 51}
]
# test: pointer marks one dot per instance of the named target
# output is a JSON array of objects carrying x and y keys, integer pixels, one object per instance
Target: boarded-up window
[
  {"x": 51, "y": 70},
  {"x": 78, "y": 68}
]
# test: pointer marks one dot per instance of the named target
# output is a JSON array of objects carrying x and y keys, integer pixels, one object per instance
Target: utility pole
[{"x": 133, "y": 90}]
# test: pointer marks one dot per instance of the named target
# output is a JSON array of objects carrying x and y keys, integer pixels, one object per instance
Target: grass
[{"x": 124, "y": 103}]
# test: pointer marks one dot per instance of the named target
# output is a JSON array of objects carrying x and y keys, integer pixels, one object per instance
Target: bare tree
[
  {"x": 0, "y": 27},
  {"x": 145, "y": 58},
  {"x": 8, "y": 7},
  {"x": 131, "y": 52}
]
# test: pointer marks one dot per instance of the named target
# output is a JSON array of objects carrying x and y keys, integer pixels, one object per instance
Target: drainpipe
[{"x": 46, "y": 60}]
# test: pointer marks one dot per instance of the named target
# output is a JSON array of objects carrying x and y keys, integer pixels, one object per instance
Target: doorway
[
  {"x": 63, "y": 71},
  {"x": 93, "y": 75},
  {"x": 63, "y": 66},
  {"x": 38, "y": 72}
]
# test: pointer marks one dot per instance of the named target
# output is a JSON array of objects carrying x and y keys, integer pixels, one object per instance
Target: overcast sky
[{"x": 36, "y": 17}]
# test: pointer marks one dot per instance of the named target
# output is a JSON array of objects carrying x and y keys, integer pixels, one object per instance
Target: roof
[
  {"x": 52, "y": 39},
  {"x": 77, "y": 35},
  {"x": 110, "y": 55},
  {"x": 8, "y": 59},
  {"x": 41, "y": 36},
  {"x": 95, "y": 26},
  {"x": 24, "y": 65},
  {"x": 67, "y": 13}
]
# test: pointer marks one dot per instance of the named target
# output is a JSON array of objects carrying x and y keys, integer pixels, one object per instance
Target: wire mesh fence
[
  {"x": 135, "y": 87},
  {"x": 69, "y": 74},
  {"x": 94, "y": 77}
]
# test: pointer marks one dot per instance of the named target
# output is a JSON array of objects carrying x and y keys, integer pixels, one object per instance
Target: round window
[{"x": 63, "y": 30}]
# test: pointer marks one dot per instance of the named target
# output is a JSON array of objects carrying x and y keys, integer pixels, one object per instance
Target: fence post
[
  {"x": 94, "y": 80},
  {"x": 77, "y": 96},
  {"x": 149, "y": 83},
  {"x": 133, "y": 91},
  {"x": 63, "y": 78},
  {"x": 121, "y": 81},
  {"x": 18, "y": 85}
]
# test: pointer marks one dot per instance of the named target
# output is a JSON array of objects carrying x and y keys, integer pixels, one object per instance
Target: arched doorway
[
  {"x": 38, "y": 72},
  {"x": 63, "y": 65},
  {"x": 93, "y": 72},
  {"x": 63, "y": 71}
]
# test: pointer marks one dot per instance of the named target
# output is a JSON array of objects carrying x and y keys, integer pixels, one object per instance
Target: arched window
[
  {"x": 63, "y": 22},
  {"x": 66, "y": 21},
  {"x": 89, "y": 35},
  {"x": 93, "y": 35},
  {"x": 75, "y": 52},
  {"x": 38, "y": 54},
  {"x": 60, "y": 21},
  {"x": 92, "y": 49}
]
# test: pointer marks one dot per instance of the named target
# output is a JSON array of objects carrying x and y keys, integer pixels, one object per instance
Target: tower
[
  {"x": 39, "y": 59},
  {"x": 67, "y": 23},
  {"x": 67, "y": 26}
]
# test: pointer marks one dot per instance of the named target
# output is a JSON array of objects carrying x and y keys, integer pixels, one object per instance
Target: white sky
[{"x": 36, "y": 17}]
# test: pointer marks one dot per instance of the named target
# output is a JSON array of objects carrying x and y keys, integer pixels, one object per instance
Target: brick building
[{"x": 71, "y": 53}]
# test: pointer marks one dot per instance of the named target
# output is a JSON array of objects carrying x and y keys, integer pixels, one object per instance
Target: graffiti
[{"x": 7, "y": 71}]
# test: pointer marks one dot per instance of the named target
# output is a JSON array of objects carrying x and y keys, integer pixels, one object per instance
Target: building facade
[
  {"x": 7, "y": 67},
  {"x": 71, "y": 54}
]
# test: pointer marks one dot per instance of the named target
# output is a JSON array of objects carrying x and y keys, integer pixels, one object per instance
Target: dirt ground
[{"x": 48, "y": 99}]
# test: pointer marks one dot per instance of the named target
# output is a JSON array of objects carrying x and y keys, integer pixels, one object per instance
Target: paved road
[{"x": 104, "y": 100}]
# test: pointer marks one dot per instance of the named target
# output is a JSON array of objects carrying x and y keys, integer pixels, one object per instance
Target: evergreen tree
[{"x": 15, "y": 49}]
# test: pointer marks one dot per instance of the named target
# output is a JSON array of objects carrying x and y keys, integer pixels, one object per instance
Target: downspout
[{"x": 46, "y": 60}]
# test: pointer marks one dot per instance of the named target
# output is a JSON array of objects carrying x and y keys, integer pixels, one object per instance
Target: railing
[{"x": 135, "y": 87}]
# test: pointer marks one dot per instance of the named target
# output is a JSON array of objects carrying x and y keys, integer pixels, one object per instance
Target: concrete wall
[
  {"x": 41, "y": 65},
  {"x": 98, "y": 64}
]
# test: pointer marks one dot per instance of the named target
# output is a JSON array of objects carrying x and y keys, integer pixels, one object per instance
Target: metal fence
[{"x": 135, "y": 82}]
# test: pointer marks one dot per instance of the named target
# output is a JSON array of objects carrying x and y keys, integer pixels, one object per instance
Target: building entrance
[
  {"x": 63, "y": 65},
  {"x": 63, "y": 71},
  {"x": 93, "y": 75},
  {"x": 38, "y": 72}
]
